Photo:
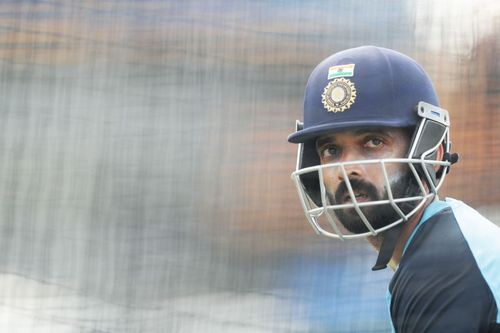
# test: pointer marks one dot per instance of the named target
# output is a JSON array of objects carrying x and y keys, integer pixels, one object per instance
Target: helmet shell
[{"x": 387, "y": 86}]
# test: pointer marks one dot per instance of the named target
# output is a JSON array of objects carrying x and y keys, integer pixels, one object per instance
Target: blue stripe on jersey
[
  {"x": 483, "y": 238},
  {"x": 388, "y": 300},
  {"x": 481, "y": 235}
]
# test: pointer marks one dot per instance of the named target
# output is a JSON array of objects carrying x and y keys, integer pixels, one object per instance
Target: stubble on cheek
[{"x": 378, "y": 215}]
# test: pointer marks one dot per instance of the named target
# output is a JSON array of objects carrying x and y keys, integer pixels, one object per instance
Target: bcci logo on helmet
[{"x": 339, "y": 95}]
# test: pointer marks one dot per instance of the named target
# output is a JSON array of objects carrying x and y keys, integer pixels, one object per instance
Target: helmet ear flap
[
  {"x": 428, "y": 136},
  {"x": 306, "y": 157},
  {"x": 310, "y": 180},
  {"x": 426, "y": 142}
]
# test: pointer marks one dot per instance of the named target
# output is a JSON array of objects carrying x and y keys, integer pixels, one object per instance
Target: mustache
[{"x": 358, "y": 185}]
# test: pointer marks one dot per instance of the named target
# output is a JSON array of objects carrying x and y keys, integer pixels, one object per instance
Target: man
[{"x": 374, "y": 150}]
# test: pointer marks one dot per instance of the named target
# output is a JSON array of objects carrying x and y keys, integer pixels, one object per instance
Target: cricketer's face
[{"x": 367, "y": 180}]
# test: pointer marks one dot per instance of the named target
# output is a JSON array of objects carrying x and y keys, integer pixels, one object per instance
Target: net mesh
[{"x": 145, "y": 173}]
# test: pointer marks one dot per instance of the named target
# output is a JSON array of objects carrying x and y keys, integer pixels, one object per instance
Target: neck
[{"x": 406, "y": 231}]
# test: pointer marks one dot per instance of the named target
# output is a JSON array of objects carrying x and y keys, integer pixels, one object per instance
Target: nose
[
  {"x": 351, "y": 171},
  {"x": 354, "y": 170}
]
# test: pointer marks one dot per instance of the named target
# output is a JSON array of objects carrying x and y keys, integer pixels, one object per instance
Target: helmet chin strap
[{"x": 387, "y": 247}]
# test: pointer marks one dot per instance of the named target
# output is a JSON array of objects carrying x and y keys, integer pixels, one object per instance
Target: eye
[
  {"x": 374, "y": 143},
  {"x": 328, "y": 152}
]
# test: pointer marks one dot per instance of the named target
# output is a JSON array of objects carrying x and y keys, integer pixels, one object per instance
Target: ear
[{"x": 439, "y": 156}]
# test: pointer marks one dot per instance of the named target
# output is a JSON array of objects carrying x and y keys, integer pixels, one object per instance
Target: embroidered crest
[{"x": 339, "y": 95}]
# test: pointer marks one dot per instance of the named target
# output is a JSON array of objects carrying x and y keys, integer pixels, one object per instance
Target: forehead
[{"x": 351, "y": 135}]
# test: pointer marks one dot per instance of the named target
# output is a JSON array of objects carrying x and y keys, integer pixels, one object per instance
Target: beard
[{"x": 379, "y": 215}]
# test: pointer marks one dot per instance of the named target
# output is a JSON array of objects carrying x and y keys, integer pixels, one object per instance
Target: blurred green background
[{"x": 144, "y": 175}]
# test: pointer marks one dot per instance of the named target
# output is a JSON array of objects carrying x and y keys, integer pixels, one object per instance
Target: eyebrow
[{"x": 321, "y": 141}]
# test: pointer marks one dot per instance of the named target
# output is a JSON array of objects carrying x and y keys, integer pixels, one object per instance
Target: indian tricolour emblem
[{"x": 341, "y": 71}]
